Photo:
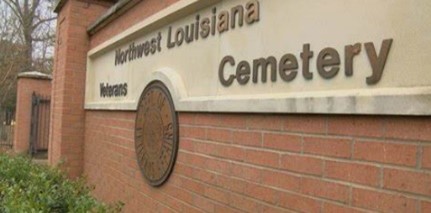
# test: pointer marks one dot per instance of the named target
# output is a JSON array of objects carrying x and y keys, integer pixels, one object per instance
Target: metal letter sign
[{"x": 156, "y": 134}]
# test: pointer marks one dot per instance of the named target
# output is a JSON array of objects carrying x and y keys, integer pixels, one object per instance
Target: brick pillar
[
  {"x": 28, "y": 82},
  {"x": 67, "y": 117}
]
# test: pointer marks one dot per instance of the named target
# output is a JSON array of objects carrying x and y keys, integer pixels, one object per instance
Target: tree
[
  {"x": 33, "y": 21},
  {"x": 10, "y": 58},
  {"x": 27, "y": 30}
]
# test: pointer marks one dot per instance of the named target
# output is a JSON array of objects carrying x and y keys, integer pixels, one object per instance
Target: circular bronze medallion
[{"x": 156, "y": 134}]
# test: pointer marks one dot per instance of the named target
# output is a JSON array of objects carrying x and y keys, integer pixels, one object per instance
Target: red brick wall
[
  {"x": 253, "y": 162},
  {"x": 25, "y": 88},
  {"x": 236, "y": 162},
  {"x": 67, "y": 126}
]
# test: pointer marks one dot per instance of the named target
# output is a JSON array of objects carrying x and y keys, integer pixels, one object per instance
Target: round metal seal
[{"x": 156, "y": 134}]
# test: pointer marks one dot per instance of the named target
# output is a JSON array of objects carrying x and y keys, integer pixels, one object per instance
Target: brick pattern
[
  {"x": 238, "y": 162},
  {"x": 67, "y": 117},
  {"x": 235, "y": 162},
  {"x": 25, "y": 89}
]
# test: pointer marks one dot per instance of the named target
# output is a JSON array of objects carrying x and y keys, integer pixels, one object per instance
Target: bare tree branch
[
  {"x": 46, "y": 38},
  {"x": 7, "y": 74},
  {"x": 16, "y": 9},
  {"x": 43, "y": 21}
]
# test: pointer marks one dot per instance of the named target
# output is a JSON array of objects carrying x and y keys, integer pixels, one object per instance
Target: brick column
[
  {"x": 67, "y": 117},
  {"x": 28, "y": 83}
]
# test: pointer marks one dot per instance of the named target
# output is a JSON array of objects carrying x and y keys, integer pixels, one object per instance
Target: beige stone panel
[{"x": 284, "y": 27}]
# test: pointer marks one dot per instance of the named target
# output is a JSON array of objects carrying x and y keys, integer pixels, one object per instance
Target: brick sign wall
[{"x": 233, "y": 162}]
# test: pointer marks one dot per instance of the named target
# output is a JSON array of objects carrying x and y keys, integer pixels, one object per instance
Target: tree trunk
[
  {"x": 27, "y": 20},
  {"x": 28, "y": 49}
]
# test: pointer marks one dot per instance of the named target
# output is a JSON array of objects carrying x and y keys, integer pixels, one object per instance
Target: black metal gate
[{"x": 39, "y": 129}]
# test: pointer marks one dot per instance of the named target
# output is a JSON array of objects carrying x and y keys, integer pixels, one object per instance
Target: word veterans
[
  {"x": 116, "y": 90},
  {"x": 328, "y": 65}
]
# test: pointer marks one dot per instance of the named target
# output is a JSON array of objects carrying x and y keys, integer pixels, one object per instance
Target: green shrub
[{"x": 27, "y": 187}]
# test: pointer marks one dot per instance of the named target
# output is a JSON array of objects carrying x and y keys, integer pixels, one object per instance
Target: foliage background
[
  {"x": 27, "y": 37},
  {"x": 27, "y": 187}
]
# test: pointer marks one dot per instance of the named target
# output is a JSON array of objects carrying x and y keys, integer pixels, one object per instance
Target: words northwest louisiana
[{"x": 286, "y": 67}]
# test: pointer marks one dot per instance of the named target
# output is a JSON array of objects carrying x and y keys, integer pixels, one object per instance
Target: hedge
[{"x": 28, "y": 187}]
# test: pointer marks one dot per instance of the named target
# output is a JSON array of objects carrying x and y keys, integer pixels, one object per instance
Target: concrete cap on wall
[
  {"x": 35, "y": 75},
  {"x": 58, "y": 4},
  {"x": 119, "y": 8}
]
